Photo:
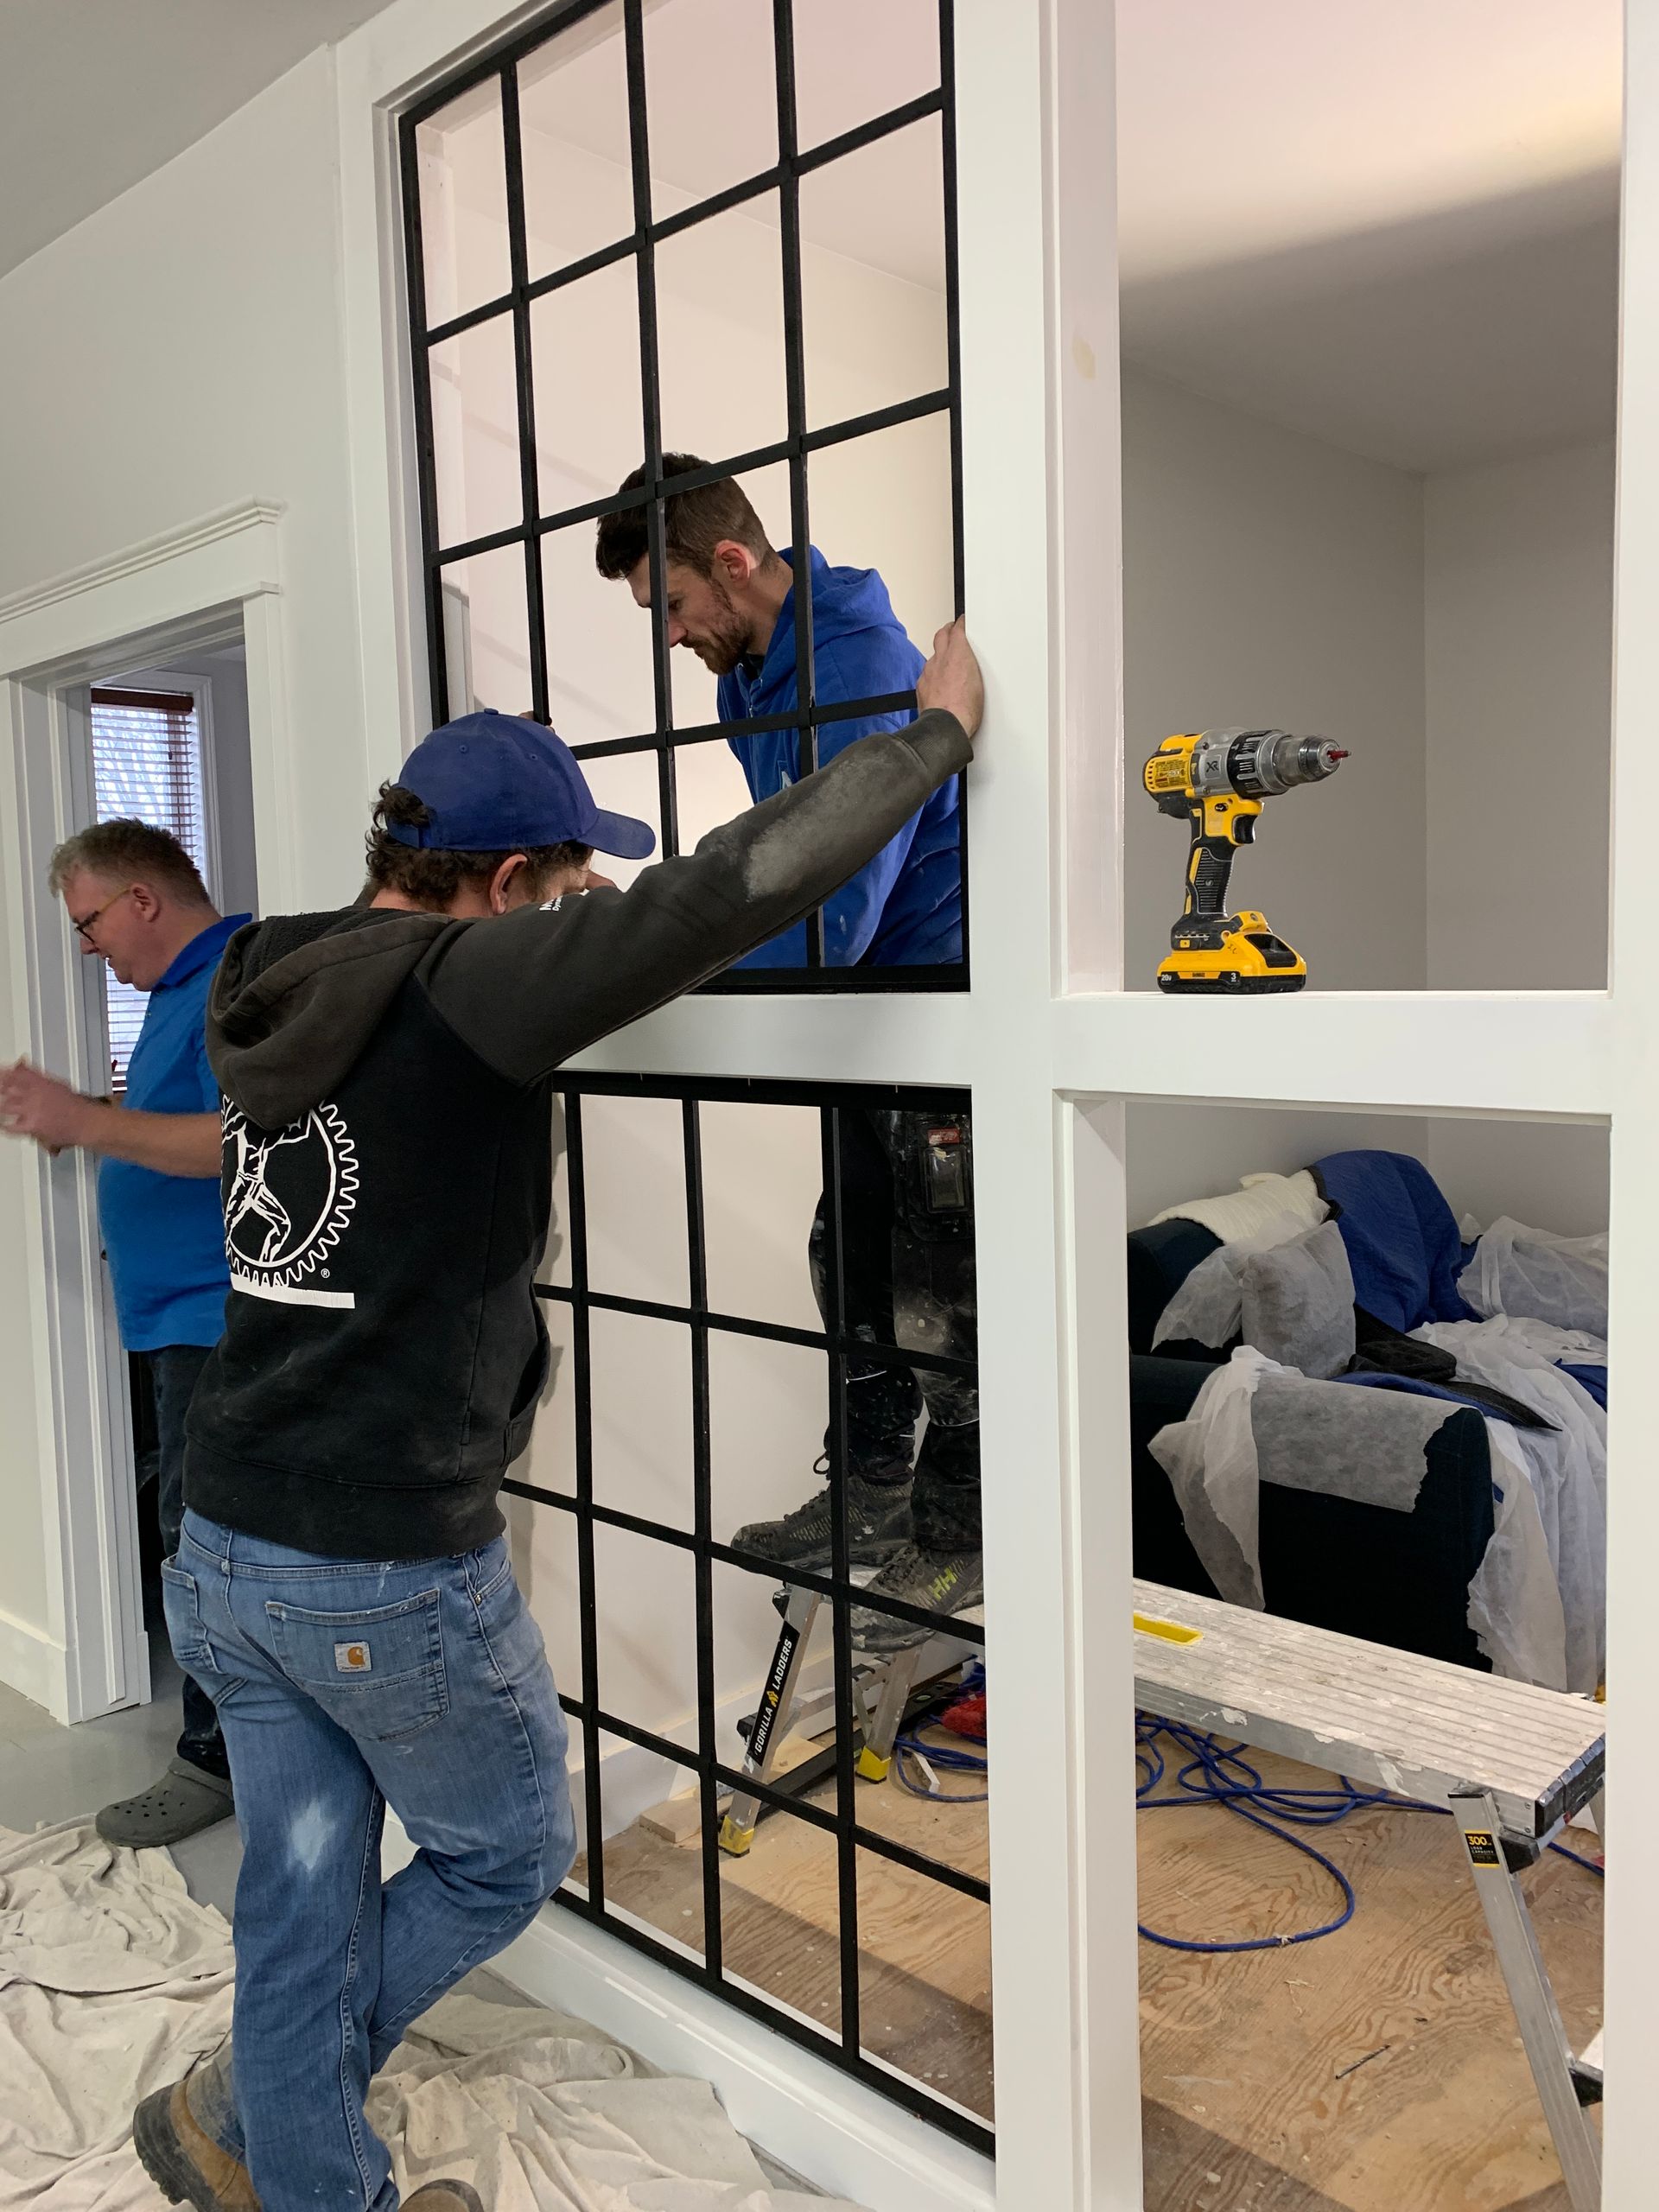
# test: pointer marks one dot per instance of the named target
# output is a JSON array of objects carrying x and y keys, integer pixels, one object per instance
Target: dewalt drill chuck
[{"x": 1218, "y": 779}]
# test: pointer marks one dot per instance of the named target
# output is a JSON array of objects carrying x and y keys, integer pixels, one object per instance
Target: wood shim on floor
[{"x": 1376, "y": 2070}]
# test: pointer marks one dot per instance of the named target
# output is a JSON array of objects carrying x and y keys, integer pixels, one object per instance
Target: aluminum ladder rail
[
  {"x": 881, "y": 1689},
  {"x": 1511, "y": 1761}
]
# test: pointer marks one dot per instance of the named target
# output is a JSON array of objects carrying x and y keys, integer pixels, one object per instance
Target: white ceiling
[
  {"x": 1394, "y": 226},
  {"x": 94, "y": 94}
]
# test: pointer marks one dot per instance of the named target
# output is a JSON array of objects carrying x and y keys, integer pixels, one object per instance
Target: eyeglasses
[{"x": 84, "y": 925}]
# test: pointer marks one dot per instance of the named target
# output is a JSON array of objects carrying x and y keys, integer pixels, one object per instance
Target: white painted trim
[
  {"x": 142, "y": 604},
  {"x": 33, "y": 1664},
  {"x": 1413, "y": 1052},
  {"x": 804, "y": 2111},
  {"x": 150, "y": 552},
  {"x": 1632, "y": 1948}
]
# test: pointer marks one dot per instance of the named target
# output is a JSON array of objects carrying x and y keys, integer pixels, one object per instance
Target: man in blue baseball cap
[{"x": 342, "y": 1588}]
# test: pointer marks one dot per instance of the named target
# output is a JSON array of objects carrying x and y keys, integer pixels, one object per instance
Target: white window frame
[{"x": 1052, "y": 1046}]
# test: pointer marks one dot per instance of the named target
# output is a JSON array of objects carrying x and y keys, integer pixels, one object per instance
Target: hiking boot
[
  {"x": 943, "y": 1581},
  {"x": 878, "y": 1525},
  {"x": 443, "y": 2196},
  {"x": 182, "y": 2159},
  {"x": 185, "y": 1801}
]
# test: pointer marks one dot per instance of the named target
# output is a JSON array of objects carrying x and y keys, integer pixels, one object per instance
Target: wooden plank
[
  {"x": 1377, "y": 2070},
  {"x": 1389, "y": 1718}
]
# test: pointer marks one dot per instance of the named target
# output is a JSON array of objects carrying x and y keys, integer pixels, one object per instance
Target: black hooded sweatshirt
[{"x": 388, "y": 1159}]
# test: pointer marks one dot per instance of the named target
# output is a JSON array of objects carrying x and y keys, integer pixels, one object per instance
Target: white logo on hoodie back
[{"x": 291, "y": 1197}]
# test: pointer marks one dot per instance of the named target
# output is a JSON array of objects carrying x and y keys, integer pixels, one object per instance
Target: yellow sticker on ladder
[{"x": 1171, "y": 1632}]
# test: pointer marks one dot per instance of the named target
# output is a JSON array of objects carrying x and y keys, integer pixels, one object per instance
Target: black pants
[
  {"x": 173, "y": 1372},
  {"x": 907, "y": 1280}
]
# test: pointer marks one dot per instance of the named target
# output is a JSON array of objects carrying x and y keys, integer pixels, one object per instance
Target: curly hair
[{"x": 433, "y": 877}]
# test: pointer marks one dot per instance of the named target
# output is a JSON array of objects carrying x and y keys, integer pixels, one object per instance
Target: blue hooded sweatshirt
[{"x": 904, "y": 909}]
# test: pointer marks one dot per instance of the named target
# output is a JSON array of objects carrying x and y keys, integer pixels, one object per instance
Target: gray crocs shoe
[{"x": 185, "y": 1801}]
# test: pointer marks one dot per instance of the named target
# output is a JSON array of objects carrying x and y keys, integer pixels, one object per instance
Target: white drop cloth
[
  {"x": 1262, "y": 1206},
  {"x": 1566, "y": 1464},
  {"x": 1288, "y": 1289},
  {"x": 113, "y": 1980},
  {"x": 1209, "y": 1458},
  {"x": 1255, "y": 1421},
  {"x": 1561, "y": 1280}
]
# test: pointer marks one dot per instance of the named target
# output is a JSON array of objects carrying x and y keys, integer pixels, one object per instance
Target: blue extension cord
[
  {"x": 1209, "y": 1776},
  {"x": 946, "y": 1756}
]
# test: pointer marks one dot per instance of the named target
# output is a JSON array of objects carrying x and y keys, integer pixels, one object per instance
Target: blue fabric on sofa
[{"x": 1402, "y": 1239}]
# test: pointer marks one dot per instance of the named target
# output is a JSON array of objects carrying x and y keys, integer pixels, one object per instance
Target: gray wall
[
  {"x": 1268, "y": 579},
  {"x": 1518, "y": 584}
]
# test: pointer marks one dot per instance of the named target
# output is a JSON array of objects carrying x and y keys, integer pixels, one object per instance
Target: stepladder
[
  {"x": 1511, "y": 1761},
  {"x": 788, "y": 1718}
]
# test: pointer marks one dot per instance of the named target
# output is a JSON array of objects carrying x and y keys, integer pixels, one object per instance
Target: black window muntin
[
  {"x": 585, "y": 1707},
  {"x": 782, "y": 177}
]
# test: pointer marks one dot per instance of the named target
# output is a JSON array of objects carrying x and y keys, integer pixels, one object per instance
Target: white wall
[
  {"x": 1268, "y": 579},
  {"x": 1519, "y": 591},
  {"x": 1181, "y": 1152},
  {"x": 179, "y": 352}
]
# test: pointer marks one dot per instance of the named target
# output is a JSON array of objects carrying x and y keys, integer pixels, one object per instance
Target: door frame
[{"x": 212, "y": 579}]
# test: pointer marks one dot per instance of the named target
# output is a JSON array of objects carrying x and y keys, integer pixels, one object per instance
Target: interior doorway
[
  {"x": 155, "y": 725},
  {"x": 164, "y": 742}
]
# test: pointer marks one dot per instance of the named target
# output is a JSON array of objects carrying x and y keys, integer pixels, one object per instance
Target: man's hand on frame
[{"x": 951, "y": 678}]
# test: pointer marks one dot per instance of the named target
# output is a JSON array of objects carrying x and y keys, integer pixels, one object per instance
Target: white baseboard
[
  {"x": 838, "y": 2133},
  {"x": 35, "y": 1665}
]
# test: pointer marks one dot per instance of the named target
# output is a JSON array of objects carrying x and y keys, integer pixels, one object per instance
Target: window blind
[{"x": 147, "y": 766}]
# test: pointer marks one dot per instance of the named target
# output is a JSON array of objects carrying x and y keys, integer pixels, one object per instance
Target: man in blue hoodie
[
  {"x": 731, "y": 601},
  {"x": 906, "y": 1182}
]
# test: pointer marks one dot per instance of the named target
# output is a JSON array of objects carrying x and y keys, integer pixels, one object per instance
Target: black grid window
[
  {"x": 672, "y": 1579},
  {"x": 607, "y": 260}
]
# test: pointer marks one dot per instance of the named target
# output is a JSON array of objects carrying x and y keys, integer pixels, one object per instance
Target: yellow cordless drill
[{"x": 1217, "y": 778}]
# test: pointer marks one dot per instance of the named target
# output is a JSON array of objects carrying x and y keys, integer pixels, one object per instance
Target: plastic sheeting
[
  {"x": 1515, "y": 1601},
  {"x": 1533, "y": 1273},
  {"x": 1309, "y": 1438},
  {"x": 1566, "y": 1464},
  {"x": 1299, "y": 1302},
  {"x": 1209, "y": 1458},
  {"x": 1253, "y": 1422},
  {"x": 1265, "y": 1208},
  {"x": 1254, "y": 1419},
  {"x": 1288, "y": 1289}
]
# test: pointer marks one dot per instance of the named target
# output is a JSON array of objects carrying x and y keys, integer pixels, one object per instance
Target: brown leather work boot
[
  {"x": 183, "y": 2161},
  {"x": 444, "y": 2196}
]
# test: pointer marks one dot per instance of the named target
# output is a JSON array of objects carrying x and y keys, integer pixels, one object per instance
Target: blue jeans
[
  {"x": 173, "y": 1372},
  {"x": 343, "y": 1686}
]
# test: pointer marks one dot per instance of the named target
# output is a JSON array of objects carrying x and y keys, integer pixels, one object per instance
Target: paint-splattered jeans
[{"x": 343, "y": 1686}]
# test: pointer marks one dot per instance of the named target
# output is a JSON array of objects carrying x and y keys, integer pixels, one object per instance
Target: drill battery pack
[{"x": 1242, "y": 957}]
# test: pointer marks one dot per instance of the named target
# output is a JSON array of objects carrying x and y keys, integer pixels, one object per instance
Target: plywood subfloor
[{"x": 1376, "y": 2070}]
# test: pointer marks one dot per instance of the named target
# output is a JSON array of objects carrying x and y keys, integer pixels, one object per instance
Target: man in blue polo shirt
[{"x": 133, "y": 896}]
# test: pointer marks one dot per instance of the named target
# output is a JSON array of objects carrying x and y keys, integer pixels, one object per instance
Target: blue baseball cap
[{"x": 496, "y": 783}]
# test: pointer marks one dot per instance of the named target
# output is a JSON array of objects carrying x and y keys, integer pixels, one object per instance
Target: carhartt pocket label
[{"x": 352, "y": 1658}]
